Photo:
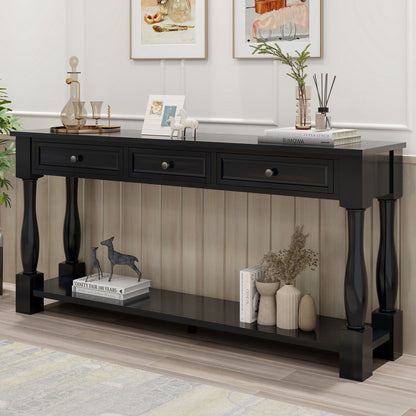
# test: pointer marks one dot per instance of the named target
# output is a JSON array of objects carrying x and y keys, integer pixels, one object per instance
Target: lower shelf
[{"x": 217, "y": 314}]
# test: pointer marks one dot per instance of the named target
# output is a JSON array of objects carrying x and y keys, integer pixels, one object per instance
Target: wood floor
[{"x": 286, "y": 373}]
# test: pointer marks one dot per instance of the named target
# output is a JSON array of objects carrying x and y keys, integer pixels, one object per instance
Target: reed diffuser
[{"x": 322, "y": 117}]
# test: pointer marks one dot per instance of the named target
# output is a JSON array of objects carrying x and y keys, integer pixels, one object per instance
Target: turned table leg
[
  {"x": 72, "y": 233},
  {"x": 29, "y": 279},
  {"x": 356, "y": 360},
  {"x": 387, "y": 317}
]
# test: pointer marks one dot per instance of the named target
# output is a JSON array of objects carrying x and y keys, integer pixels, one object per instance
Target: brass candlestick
[{"x": 109, "y": 118}]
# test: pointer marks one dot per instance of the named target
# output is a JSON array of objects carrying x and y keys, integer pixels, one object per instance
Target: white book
[
  {"x": 249, "y": 297},
  {"x": 111, "y": 300},
  {"x": 294, "y": 133},
  {"x": 309, "y": 141},
  {"x": 108, "y": 294},
  {"x": 118, "y": 284}
]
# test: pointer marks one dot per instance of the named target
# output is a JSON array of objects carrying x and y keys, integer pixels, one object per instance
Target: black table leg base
[
  {"x": 356, "y": 354},
  {"x": 25, "y": 301},
  {"x": 74, "y": 270},
  {"x": 192, "y": 329},
  {"x": 392, "y": 322}
]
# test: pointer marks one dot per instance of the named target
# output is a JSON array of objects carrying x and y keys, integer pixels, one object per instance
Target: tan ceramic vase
[
  {"x": 287, "y": 307},
  {"x": 307, "y": 313},
  {"x": 267, "y": 307}
]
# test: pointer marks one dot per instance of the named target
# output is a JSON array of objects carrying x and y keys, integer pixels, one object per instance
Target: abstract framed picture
[
  {"x": 168, "y": 29},
  {"x": 292, "y": 24}
]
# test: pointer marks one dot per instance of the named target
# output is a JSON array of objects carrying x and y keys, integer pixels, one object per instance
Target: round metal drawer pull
[
  {"x": 166, "y": 165},
  {"x": 73, "y": 159},
  {"x": 270, "y": 172}
]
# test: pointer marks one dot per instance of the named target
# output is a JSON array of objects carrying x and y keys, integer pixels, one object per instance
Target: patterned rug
[{"x": 37, "y": 381}]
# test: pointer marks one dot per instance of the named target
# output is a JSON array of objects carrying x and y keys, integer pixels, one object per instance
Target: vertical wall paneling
[
  {"x": 111, "y": 222},
  {"x": 332, "y": 259},
  {"x": 93, "y": 222},
  {"x": 131, "y": 225},
  {"x": 8, "y": 229},
  {"x": 192, "y": 240},
  {"x": 369, "y": 260},
  {"x": 19, "y": 220},
  {"x": 171, "y": 238},
  {"x": 375, "y": 243},
  {"x": 258, "y": 229},
  {"x": 398, "y": 249},
  {"x": 283, "y": 221},
  {"x": 235, "y": 242},
  {"x": 151, "y": 233},
  {"x": 214, "y": 243},
  {"x": 42, "y": 205},
  {"x": 408, "y": 257},
  {"x": 307, "y": 214},
  {"x": 57, "y": 205}
]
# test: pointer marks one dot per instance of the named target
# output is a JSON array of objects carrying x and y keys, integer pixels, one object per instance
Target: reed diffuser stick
[{"x": 332, "y": 86}]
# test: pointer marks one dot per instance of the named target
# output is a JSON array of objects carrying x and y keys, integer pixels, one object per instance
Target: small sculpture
[
  {"x": 175, "y": 126},
  {"x": 95, "y": 264},
  {"x": 188, "y": 122},
  {"x": 118, "y": 258}
]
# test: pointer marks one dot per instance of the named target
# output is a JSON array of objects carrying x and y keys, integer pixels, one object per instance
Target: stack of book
[
  {"x": 249, "y": 297},
  {"x": 312, "y": 137},
  {"x": 120, "y": 290}
]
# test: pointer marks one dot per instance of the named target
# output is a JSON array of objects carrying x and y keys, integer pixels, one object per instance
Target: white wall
[{"x": 368, "y": 45}]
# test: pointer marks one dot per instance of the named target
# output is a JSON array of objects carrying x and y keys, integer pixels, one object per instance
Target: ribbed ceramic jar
[
  {"x": 287, "y": 307},
  {"x": 307, "y": 313},
  {"x": 267, "y": 306}
]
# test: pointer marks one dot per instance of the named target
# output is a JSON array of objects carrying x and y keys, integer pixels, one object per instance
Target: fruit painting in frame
[
  {"x": 168, "y": 29},
  {"x": 292, "y": 24}
]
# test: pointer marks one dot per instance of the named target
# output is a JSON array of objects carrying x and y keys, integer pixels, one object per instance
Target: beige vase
[
  {"x": 287, "y": 307},
  {"x": 307, "y": 313},
  {"x": 267, "y": 307}
]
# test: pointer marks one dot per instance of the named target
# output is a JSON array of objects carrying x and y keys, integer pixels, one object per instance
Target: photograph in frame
[
  {"x": 164, "y": 29},
  {"x": 159, "y": 109},
  {"x": 292, "y": 24}
]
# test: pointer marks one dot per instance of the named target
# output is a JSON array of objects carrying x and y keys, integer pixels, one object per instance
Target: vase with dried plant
[
  {"x": 286, "y": 264},
  {"x": 267, "y": 287},
  {"x": 297, "y": 65}
]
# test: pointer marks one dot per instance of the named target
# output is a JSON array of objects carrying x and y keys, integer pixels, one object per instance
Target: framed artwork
[
  {"x": 168, "y": 29},
  {"x": 292, "y": 24},
  {"x": 159, "y": 109}
]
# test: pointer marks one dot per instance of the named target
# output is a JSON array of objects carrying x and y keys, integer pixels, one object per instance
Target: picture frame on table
[
  {"x": 159, "y": 31},
  {"x": 158, "y": 110},
  {"x": 292, "y": 24}
]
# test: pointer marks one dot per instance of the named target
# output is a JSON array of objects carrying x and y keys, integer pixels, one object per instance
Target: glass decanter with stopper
[
  {"x": 179, "y": 11},
  {"x": 68, "y": 116}
]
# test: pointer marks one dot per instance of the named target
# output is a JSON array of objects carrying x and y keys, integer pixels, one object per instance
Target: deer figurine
[
  {"x": 95, "y": 264},
  {"x": 118, "y": 258}
]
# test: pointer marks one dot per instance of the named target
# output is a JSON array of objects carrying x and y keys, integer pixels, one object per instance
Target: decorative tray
[{"x": 86, "y": 130}]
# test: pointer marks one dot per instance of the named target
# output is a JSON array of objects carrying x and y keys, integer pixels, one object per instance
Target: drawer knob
[
  {"x": 166, "y": 165},
  {"x": 270, "y": 172},
  {"x": 73, "y": 159}
]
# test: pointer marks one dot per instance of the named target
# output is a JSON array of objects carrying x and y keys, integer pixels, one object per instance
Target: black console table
[{"x": 353, "y": 175}]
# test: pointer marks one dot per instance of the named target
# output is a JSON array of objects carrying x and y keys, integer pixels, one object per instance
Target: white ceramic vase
[
  {"x": 307, "y": 313},
  {"x": 287, "y": 307},
  {"x": 267, "y": 306}
]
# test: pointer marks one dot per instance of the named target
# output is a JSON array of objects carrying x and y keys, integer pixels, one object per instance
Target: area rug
[{"x": 37, "y": 381}]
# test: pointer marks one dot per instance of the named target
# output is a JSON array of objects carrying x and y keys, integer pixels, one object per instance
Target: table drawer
[
  {"x": 305, "y": 174},
  {"x": 151, "y": 163},
  {"x": 77, "y": 157}
]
